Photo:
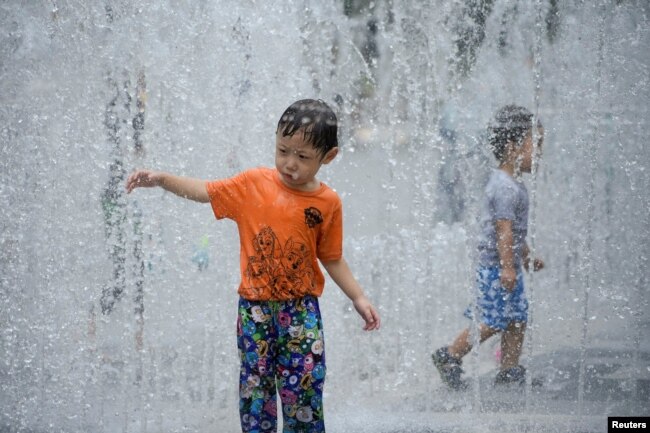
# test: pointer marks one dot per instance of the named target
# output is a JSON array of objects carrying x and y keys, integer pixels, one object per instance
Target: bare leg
[
  {"x": 462, "y": 345},
  {"x": 512, "y": 341}
]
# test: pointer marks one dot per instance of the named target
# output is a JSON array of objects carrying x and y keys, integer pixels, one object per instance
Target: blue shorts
[{"x": 495, "y": 305}]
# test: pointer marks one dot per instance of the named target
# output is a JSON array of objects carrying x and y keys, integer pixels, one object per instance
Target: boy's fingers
[
  {"x": 372, "y": 320},
  {"x": 130, "y": 183},
  {"x": 136, "y": 179}
]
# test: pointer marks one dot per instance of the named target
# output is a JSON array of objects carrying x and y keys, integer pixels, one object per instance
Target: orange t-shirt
[{"x": 282, "y": 233}]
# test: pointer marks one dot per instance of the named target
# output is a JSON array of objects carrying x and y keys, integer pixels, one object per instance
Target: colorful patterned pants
[{"x": 281, "y": 347}]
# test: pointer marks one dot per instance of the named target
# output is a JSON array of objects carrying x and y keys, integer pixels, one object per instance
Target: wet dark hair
[
  {"x": 317, "y": 121},
  {"x": 511, "y": 123}
]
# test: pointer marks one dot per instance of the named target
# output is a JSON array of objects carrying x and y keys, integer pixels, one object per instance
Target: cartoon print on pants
[{"x": 281, "y": 347}]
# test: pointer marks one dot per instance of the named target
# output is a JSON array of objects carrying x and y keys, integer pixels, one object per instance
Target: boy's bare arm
[
  {"x": 342, "y": 276},
  {"x": 505, "y": 243},
  {"x": 186, "y": 187}
]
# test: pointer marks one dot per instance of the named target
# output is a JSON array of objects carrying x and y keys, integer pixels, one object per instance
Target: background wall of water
[{"x": 117, "y": 313}]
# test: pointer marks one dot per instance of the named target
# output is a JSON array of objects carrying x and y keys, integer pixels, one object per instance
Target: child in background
[
  {"x": 287, "y": 222},
  {"x": 503, "y": 252}
]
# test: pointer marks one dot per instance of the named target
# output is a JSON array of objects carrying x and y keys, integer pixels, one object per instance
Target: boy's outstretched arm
[
  {"x": 342, "y": 276},
  {"x": 186, "y": 187}
]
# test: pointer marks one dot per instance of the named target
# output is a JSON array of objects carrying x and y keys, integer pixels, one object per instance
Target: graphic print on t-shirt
[
  {"x": 313, "y": 217},
  {"x": 284, "y": 270}
]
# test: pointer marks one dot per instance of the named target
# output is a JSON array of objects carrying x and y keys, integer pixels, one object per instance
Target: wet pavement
[
  {"x": 568, "y": 395},
  {"x": 563, "y": 394}
]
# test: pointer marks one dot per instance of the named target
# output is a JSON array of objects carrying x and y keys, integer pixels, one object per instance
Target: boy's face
[
  {"x": 528, "y": 152},
  {"x": 298, "y": 162}
]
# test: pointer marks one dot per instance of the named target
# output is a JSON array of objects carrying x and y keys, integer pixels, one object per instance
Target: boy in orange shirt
[{"x": 287, "y": 222}]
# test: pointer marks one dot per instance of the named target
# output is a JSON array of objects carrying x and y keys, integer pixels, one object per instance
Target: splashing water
[{"x": 111, "y": 319}]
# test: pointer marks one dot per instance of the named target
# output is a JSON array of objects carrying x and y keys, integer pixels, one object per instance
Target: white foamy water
[{"x": 117, "y": 313}]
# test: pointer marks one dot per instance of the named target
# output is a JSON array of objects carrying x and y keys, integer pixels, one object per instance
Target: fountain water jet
[{"x": 91, "y": 91}]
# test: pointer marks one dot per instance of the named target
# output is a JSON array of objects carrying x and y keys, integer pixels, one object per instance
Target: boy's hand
[
  {"x": 143, "y": 179},
  {"x": 538, "y": 264},
  {"x": 340, "y": 273},
  {"x": 508, "y": 278},
  {"x": 368, "y": 313}
]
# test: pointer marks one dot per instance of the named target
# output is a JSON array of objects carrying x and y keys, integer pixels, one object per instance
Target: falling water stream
[
  {"x": 530, "y": 289},
  {"x": 591, "y": 152},
  {"x": 117, "y": 312}
]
